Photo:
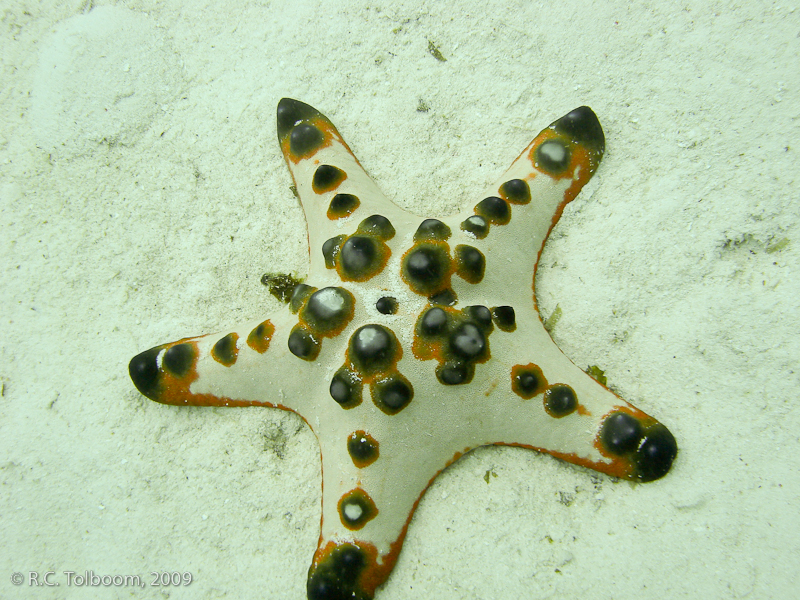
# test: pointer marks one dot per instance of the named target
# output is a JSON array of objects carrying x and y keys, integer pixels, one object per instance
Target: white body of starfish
[{"x": 419, "y": 340}]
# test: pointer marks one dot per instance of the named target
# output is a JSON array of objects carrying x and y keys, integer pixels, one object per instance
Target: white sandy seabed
[{"x": 143, "y": 195}]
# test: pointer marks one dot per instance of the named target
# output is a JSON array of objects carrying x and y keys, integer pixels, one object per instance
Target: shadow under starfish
[{"x": 420, "y": 342}]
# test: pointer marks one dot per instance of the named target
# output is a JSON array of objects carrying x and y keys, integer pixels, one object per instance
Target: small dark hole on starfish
[{"x": 387, "y": 305}]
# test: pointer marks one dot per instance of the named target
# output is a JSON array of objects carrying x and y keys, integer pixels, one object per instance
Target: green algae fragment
[
  {"x": 778, "y": 246},
  {"x": 435, "y": 52},
  {"x": 550, "y": 322},
  {"x": 280, "y": 285},
  {"x": 597, "y": 374}
]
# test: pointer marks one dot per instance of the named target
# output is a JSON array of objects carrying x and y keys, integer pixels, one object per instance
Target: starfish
[{"x": 419, "y": 340}]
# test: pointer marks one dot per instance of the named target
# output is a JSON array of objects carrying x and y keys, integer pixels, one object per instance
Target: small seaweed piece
[
  {"x": 280, "y": 285},
  {"x": 778, "y": 246},
  {"x": 550, "y": 322},
  {"x": 597, "y": 374},
  {"x": 435, "y": 52}
]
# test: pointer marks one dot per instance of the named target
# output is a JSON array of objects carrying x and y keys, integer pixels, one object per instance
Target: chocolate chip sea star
[{"x": 414, "y": 341}]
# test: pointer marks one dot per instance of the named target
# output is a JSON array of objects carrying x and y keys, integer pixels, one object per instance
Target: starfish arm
[
  {"x": 331, "y": 184},
  {"x": 511, "y": 222},
  {"x": 372, "y": 481},
  {"x": 244, "y": 366},
  {"x": 548, "y": 404}
]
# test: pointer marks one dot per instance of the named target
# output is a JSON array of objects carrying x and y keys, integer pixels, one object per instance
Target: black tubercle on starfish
[
  {"x": 504, "y": 317},
  {"x": 621, "y": 433},
  {"x": 516, "y": 191},
  {"x": 373, "y": 348},
  {"x": 327, "y": 178},
  {"x": 433, "y": 322},
  {"x": 379, "y": 226},
  {"x": 426, "y": 267},
  {"x": 346, "y": 388},
  {"x": 581, "y": 128},
  {"x": 336, "y": 576},
  {"x": 363, "y": 448},
  {"x": 468, "y": 341},
  {"x": 176, "y": 368},
  {"x": 145, "y": 373},
  {"x": 364, "y": 254},
  {"x": 432, "y": 229},
  {"x": 495, "y": 210},
  {"x": 480, "y": 314},
  {"x": 299, "y": 295},
  {"x": 446, "y": 297},
  {"x": 225, "y": 351},
  {"x": 305, "y": 139},
  {"x": 553, "y": 156},
  {"x": 560, "y": 400},
  {"x": 470, "y": 263},
  {"x": 331, "y": 249},
  {"x": 328, "y": 310},
  {"x": 581, "y": 125},
  {"x": 179, "y": 359},
  {"x": 386, "y": 305},
  {"x": 360, "y": 257},
  {"x": 356, "y": 509},
  {"x": 260, "y": 337},
  {"x": 343, "y": 205},
  {"x": 476, "y": 225},
  {"x": 303, "y": 344},
  {"x": 372, "y": 356},
  {"x": 656, "y": 453},
  {"x": 392, "y": 394},
  {"x": 527, "y": 381}
]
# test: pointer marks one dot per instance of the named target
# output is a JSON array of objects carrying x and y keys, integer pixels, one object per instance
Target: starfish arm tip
[
  {"x": 582, "y": 125},
  {"x": 290, "y": 112}
]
